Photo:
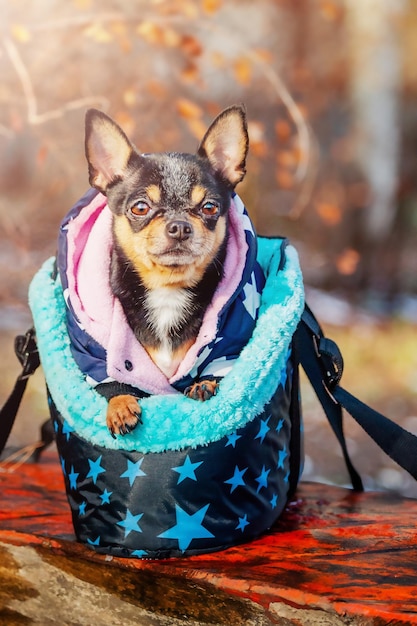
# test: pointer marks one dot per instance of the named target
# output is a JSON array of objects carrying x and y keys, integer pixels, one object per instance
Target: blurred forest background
[{"x": 330, "y": 88}]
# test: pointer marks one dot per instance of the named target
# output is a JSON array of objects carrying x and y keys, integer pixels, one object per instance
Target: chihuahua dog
[{"x": 170, "y": 224}]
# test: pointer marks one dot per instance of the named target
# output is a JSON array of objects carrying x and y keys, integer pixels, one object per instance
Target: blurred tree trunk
[
  {"x": 376, "y": 101},
  {"x": 376, "y": 84}
]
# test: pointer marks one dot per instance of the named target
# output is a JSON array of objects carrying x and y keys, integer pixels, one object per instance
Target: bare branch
[
  {"x": 23, "y": 75},
  {"x": 307, "y": 166},
  {"x": 33, "y": 117}
]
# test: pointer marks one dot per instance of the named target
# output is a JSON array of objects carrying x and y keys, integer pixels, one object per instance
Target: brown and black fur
[{"x": 170, "y": 224}]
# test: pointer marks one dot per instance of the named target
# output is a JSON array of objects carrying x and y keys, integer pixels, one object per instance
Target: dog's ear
[
  {"x": 226, "y": 144},
  {"x": 107, "y": 149}
]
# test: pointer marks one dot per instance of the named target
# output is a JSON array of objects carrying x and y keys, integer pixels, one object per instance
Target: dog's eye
[
  {"x": 210, "y": 208},
  {"x": 140, "y": 209}
]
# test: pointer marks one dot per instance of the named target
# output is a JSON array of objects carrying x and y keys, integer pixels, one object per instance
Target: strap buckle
[
  {"x": 330, "y": 359},
  {"x": 26, "y": 350}
]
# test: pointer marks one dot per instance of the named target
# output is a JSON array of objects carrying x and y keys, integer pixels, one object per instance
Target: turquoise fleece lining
[{"x": 174, "y": 422}]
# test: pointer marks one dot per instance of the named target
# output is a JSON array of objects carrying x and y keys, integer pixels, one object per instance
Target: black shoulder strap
[
  {"x": 27, "y": 352},
  {"x": 322, "y": 361}
]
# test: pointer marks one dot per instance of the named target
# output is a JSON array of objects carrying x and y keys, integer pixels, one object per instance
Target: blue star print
[
  {"x": 187, "y": 470},
  {"x": 237, "y": 479},
  {"x": 95, "y": 469},
  {"x": 280, "y": 425},
  {"x": 95, "y": 542},
  {"x": 139, "y": 553},
  {"x": 188, "y": 527},
  {"x": 131, "y": 523},
  {"x": 243, "y": 522},
  {"x": 282, "y": 455},
  {"x": 73, "y": 478},
  {"x": 262, "y": 479},
  {"x": 133, "y": 471},
  {"x": 105, "y": 497},
  {"x": 263, "y": 430},
  {"x": 81, "y": 508},
  {"x": 273, "y": 501},
  {"x": 284, "y": 374},
  {"x": 67, "y": 430},
  {"x": 231, "y": 440}
]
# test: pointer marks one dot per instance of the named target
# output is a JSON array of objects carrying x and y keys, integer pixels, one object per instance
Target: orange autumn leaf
[
  {"x": 329, "y": 213},
  {"x": 284, "y": 178},
  {"x": 211, "y": 6},
  {"x": 188, "y": 109},
  {"x": 188, "y": 9},
  {"x": 212, "y": 108},
  {"x": 190, "y": 46},
  {"x": 190, "y": 73},
  {"x": 243, "y": 71},
  {"x": 259, "y": 149},
  {"x": 347, "y": 262},
  {"x": 126, "y": 121},
  {"x": 156, "y": 89},
  {"x": 330, "y": 10},
  {"x": 150, "y": 32},
  {"x": 283, "y": 130},
  {"x": 129, "y": 97},
  {"x": 119, "y": 28},
  {"x": 287, "y": 158},
  {"x": 170, "y": 37},
  {"x": 98, "y": 33},
  {"x": 122, "y": 34}
]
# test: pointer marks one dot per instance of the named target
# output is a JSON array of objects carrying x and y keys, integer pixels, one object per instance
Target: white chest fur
[{"x": 167, "y": 309}]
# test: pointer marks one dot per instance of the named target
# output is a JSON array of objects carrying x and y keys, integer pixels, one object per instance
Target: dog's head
[{"x": 170, "y": 209}]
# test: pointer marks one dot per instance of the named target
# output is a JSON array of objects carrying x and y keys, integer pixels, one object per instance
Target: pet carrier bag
[{"x": 195, "y": 477}]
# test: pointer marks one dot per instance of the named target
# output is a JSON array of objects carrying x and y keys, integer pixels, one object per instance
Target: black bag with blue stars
[
  {"x": 179, "y": 502},
  {"x": 196, "y": 477}
]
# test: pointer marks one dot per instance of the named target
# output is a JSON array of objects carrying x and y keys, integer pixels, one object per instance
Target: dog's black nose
[{"x": 179, "y": 229}]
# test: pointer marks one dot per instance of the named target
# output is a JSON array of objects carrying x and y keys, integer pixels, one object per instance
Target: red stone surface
[{"x": 353, "y": 556}]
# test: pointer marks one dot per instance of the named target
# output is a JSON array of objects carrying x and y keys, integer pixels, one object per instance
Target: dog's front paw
[
  {"x": 123, "y": 414},
  {"x": 203, "y": 390}
]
